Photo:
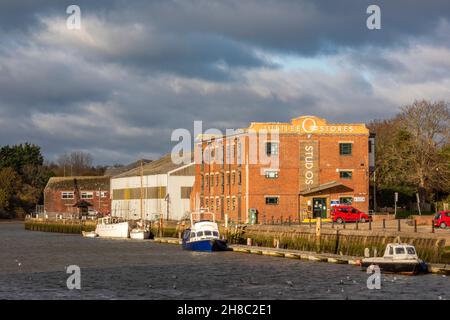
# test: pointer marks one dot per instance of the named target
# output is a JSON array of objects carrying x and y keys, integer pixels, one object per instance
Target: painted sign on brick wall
[{"x": 309, "y": 164}]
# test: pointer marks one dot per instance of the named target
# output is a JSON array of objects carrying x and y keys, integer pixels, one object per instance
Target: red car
[
  {"x": 346, "y": 214},
  {"x": 442, "y": 219}
]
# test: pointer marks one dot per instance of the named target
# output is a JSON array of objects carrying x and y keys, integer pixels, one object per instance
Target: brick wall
[{"x": 287, "y": 186}]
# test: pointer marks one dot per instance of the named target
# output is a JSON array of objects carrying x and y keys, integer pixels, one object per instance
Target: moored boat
[
  {"x": 89, "y": 234},
  {"x": 203, "y": 235},
  {"x": 111, "y": 227},
  {"x": 398, "y": 258},
  {"x": 139, "y": 233}
]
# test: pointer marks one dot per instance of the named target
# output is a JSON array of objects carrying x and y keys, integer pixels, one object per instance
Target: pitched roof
[
  {"x": 116, "y": 170},
  {"x": 84, "y": 182},
  {"x": 161, "y": 166}
]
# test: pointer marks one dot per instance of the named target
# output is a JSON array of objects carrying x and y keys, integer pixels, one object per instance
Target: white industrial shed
[{"x": 165, "y": 191}]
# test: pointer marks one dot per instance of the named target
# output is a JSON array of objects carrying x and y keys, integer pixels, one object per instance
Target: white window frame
[
  {"x": 85, "y": 194},
  {"x": 67, "y": 193}
]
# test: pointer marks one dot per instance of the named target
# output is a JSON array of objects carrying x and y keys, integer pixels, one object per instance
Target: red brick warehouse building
[
  {"x": 60, "y": 195},
  {"x": 302, "y": 169}
]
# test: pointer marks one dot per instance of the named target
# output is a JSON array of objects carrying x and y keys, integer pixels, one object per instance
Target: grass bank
[{"x": 61, "y": 227}]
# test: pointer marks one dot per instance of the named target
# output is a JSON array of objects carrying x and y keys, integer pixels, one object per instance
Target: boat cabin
[
  {"x": 202, "y": 230},
  {"x": 400, "y": 251}
]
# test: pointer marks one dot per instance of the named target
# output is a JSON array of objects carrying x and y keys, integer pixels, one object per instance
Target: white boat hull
[
  {"x": 91, "y": 234},
  {"x": 141, "y": 235},
  {"x": 113, "y": 230}
]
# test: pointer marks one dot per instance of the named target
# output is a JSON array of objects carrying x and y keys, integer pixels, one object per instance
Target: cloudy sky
[{"x": 136, "y": 70}]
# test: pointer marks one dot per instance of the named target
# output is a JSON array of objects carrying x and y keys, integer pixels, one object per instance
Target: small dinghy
[
  {"x": 203, "y": 235},
  {"x": 139, "y": 234},
  {"x": 89, "y": 234},
  {"x": 398, "y": 258}
]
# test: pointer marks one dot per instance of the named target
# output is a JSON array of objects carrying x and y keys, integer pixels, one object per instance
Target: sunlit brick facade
[{"x": 301, "y": 169}]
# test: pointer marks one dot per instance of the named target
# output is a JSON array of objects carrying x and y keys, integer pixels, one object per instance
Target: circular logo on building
[{"x": 309, "y": 125}]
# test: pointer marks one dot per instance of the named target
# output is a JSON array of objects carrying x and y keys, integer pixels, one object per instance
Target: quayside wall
[{"x": 430, "y": 247}]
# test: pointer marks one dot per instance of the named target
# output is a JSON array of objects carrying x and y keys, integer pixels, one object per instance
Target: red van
[
  {"x": 442, "y": 219},
  {"x": 346, "y": 214}
]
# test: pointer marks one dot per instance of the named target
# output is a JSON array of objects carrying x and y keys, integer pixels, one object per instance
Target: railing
[{"x": 392, "y": 225}]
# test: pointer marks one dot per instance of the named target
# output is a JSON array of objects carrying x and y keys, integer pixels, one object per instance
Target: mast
[{"x": 141, "y": 193}]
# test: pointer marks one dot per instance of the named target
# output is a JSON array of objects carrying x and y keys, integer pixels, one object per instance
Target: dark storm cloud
[{"x": 140, "y": 69}]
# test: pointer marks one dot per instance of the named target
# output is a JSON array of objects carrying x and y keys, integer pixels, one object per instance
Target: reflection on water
[{"x": 32, "y": 266}]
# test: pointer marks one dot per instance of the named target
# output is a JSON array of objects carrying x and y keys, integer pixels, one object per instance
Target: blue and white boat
[{"x": 203, "y": 235}]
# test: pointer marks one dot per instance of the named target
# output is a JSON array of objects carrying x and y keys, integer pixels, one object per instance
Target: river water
[{"x": 33, "y": 266}]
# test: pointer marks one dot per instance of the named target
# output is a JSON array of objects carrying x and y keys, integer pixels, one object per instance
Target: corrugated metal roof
[
  {"x": 114, "y": 171},
  {"x": 161, "y": 166}
]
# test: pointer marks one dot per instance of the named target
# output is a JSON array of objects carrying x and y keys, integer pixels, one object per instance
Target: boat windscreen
[
  {"x": 200, "y": 234},
  {"x": 399, "y": 250},
  {"x": 410, "y": 250},
  {"x": 215, "y": 234},
  {"x": 208, "y": 233}
]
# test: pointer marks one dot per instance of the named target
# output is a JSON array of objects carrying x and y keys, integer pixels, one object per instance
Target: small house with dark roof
[
  {"x": 160, "y": 188},
  {"x": 75, "y": 196}
]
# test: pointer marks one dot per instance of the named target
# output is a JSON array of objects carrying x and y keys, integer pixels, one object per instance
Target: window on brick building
[
  {"x": 271, "y": 174},
  {"x": 345, "y": 149},
  {"x": 239, "y": 177},
  {"x": 217, "y": 203},
  {"x": 239, "y": 153},
  {"x": 87, "y": 195},
  {"x": 228, "y": 203},
  {"x": 232, "y": 154},
  {"x": 212, "y": 180},
  {"x": 207, "y": 203},
  {"x": 272, "y": 200},
  {"x": 233, "y": 203},
  {"x": 228, "y": 178},
  {"x": 271, "y": 148},
  {"x": 67, "y": 195},
  {"x": 217, "y": 180},
  {"x": 345, "y": 174},
  {"x": 233, "y": 178}
]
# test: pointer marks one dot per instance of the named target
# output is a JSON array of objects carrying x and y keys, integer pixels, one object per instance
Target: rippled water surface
[{"x": 33, "y": 266}]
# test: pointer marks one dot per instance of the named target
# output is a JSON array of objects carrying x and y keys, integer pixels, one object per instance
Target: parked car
[
  {"x": 442, "y": 219},
  {"x": 346, "y": 214}
]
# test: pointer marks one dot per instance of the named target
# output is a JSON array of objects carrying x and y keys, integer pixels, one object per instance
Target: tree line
[
  {"x": 24, "y": 174},
  {"x": 413, "y": 155}
]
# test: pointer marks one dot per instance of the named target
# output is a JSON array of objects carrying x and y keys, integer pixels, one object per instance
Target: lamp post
[{"x": 374, "y": 191}]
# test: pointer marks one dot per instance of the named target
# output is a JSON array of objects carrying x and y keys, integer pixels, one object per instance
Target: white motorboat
[
  {"x": 139, "y": 234},
  {"x": 112, "y": 227},
  {"x": 398, "y": 258}
]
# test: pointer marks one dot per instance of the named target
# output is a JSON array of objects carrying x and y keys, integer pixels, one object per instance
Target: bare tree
[
  {"x": 428, "y": 126},
  {"x": 75, "y": 163}
]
